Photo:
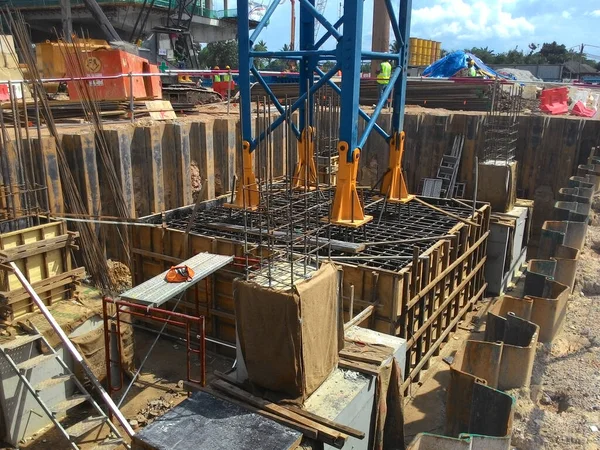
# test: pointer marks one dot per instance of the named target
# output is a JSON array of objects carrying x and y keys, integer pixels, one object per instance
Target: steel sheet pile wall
[
  {"x": 505, "y": 359},
  {"x": 154, "y": 162}
]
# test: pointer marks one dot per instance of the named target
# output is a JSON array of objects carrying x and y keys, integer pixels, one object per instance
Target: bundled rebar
[
  {"x": 91, "y": 250},
  {"x": 501, "y": 125}
]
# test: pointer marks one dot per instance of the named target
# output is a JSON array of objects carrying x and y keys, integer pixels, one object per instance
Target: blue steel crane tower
[{"x": 347, "y": 32}]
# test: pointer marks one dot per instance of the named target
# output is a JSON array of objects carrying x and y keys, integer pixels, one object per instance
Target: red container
[{"x": 112, "y": 62}]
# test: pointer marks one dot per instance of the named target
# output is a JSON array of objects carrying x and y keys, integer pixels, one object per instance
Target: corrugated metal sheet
[{"x": 157, "y": 291}]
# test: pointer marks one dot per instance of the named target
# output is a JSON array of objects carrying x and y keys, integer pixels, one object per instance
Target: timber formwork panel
[
  {"x": 422, "y": 301},
  {"x": 43, "y": 254}
]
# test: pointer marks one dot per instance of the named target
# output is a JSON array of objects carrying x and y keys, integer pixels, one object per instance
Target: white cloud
[
  {"x": 566, "y": 15},
  {"x": 595, "y": 13},
  {"x": 473, "y": 19}
]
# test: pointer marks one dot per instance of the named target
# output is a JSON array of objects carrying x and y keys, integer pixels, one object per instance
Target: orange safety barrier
[
  {"x": 4, "y": 94},
  {"x": 582, "y": 111},
  {"x": 112, "y": 62},
  {"x": 554, "y": 101}
]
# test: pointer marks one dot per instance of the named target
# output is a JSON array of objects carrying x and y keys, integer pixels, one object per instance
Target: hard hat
[
  {"x": 227, "y": 67},
  {"x": 216, "y": 68},
  {"x": 471, "y": 62},
  {"x": 179, "y": 274}
]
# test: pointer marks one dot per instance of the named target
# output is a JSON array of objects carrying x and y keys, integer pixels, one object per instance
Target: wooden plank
[
  {"x": 358, "y": 367},
  {"x": 329, "y": 423},
  {"x": 44, "y": 285},
  {"x": 360, "y": 317},
  {"x": 32, "y": 248},
  {"x": 360, "y": 358},
  {"x": 160, "y": 109},
  {"x": 322, "y": 420},
  {"x": 324, "y": 434}
]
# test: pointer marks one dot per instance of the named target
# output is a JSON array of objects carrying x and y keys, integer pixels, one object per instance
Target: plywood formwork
[
  {"x": 422, "y": 302},
  {"x": 42, "y": 253}
]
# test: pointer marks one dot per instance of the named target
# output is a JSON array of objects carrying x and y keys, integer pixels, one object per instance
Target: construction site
[{"x": 310, "y": 259}]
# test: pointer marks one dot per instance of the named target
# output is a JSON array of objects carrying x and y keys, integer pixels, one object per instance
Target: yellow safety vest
[
  {"x": 217, "y": 78},
  {"x": 383, "y": 77},
  {"x": 226, "y": 77}
]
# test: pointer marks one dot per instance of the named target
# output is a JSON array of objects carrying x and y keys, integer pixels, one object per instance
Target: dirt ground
[{"x": 561, "y": 409}]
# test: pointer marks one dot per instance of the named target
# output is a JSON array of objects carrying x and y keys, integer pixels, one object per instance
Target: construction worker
[
  {"x": 216, "y": 76},
  {"x": 227, "y": 76},
  {"x": 472, "y": 69},
  {"x": 383, "y": 76}
]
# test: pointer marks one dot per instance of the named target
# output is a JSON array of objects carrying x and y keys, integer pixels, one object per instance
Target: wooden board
[
  {"x": 42, "y": 254},
  {"x": 160, "y": 109}
]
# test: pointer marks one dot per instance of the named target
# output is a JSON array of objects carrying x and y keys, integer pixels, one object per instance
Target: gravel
[{"x": 561, "y": 410}]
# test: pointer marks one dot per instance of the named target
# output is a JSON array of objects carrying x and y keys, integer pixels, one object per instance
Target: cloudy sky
[{"x": 499, "y": 24}]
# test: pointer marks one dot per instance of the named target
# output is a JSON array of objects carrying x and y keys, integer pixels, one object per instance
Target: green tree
[
  {"x": 221, "y": 53},
  {"x": 261, "y": 63},
  {"x": 554, "y": 53},
  {"x": 485, "y": 54}
]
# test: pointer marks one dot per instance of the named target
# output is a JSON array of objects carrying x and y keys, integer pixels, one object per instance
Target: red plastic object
[
  {"x": 4, "y": 96},
  {"x": 582, "y": 111},
  {"x": 111, "y": 62},
  {"x": 222, "y": 86},
  {"x": 554, "y": 101}
]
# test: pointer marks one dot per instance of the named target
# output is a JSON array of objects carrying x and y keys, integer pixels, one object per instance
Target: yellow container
[
  {"x": 412, "y": 52},
  {"x": 428, "y": 47},
  {"x": 434, "y": 51}
]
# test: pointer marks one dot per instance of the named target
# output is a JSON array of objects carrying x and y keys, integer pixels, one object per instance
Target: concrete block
[{"x": 498, "y": 185}]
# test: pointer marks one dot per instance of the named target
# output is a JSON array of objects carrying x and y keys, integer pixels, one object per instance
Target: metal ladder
[
  {"x": 449, "y": 167},
  {"x": 75, "y": 432}
]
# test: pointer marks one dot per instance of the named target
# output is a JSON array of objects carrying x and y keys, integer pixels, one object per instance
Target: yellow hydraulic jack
[
  {"x": 246, "y": 192},
  {"x": 305, "y": 174},
  {"x": 183, "y": 79},
  {"x": 347, "y": 210},
  {"x": 393, "y": 185}
]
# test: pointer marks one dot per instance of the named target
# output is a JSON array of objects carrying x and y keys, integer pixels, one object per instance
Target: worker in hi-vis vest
[
  {"x": 472, "y": 68},
  {"x": 383, "y": 76},
  {"x": 227, "y": 76},
  {"x": 216, "y": 76}
]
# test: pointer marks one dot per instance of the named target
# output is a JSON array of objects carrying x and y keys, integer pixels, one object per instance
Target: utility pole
[
  {"x": 580, "y": 60},
  {"x": 293, "y": 26},
  {"x": 67, "y": 20},
  {"x": 381, "y": 32}
]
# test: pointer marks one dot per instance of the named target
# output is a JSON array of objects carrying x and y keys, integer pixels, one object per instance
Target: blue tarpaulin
[{"x": 453, "y": 62}]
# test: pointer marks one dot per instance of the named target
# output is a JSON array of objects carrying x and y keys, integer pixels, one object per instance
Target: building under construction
[{"x": 287, "y": 268}]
